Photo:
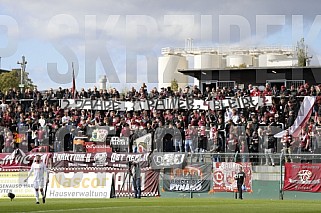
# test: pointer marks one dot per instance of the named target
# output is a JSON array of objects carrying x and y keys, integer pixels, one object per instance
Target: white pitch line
[
  {"x": 111, "y": 207},
  {"x": 93, "y": 208}
]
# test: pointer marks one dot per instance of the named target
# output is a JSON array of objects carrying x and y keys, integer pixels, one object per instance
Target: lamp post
[{"x": 23, "y": 69}]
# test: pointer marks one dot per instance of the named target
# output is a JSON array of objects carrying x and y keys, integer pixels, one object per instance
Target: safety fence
[
  {"x": 171, "y": 174},
  {"x": 265, "y": 173}
]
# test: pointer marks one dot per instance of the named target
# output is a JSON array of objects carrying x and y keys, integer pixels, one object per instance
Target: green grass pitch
[{"x": 165, "y": 205}]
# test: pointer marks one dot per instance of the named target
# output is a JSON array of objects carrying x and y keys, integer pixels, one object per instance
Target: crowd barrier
[
  {"x": 265, "y": 180},
  {"x": 105, "y": 175}
]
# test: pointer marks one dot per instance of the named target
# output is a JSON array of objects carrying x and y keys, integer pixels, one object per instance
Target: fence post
[
  {"x": 235, "y": 156},
  {"x": 281, "y": 182},
  {"x": 191, "y": 178}
]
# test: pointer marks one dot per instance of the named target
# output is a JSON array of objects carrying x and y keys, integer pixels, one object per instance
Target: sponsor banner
[
  {"x": 143, "y": 144},
  {"x": 80, "y": 185},
  {"x": 164, "y": 104},
  {"x": 193, "y": 178},
  {"x": 95, "y": 147},
  {"x": 162, "y": 160},
  {"x": 102, "y": 159},
  {"x": 14, "y": 182},
  {"x": 224, "y": 173},
  {"x": 302, "y": 177},
  {"x": 123, "y": 182},
  {"x": 20, "y": 160}
]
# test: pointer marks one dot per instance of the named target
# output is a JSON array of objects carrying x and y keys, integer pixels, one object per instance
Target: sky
[{"x": 123, "y": 39}]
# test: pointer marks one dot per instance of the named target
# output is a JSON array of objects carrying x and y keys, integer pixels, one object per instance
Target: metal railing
[{"x": 261, "y": 165}]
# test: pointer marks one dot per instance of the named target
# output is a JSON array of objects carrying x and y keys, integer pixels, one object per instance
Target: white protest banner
[{"x": 163, "y": 104}]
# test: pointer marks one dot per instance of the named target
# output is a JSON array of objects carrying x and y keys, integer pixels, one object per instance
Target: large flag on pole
[
  {"x": 303, "y": 117},
  {"x": 73, "y": 89}
]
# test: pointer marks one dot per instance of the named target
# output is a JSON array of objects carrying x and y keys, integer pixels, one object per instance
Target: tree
[
  {"x": 27, "y": 81},
  {"x": 174, "y": 85},
  {"x": 12, "y": 80},
  {"x": 302, "y": 53},
  {"x": 242, "y": 65}
]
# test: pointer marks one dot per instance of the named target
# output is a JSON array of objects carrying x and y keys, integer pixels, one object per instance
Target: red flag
[
  {"x": 304, "y": 177},
  {"x": 73, "y": 89}
]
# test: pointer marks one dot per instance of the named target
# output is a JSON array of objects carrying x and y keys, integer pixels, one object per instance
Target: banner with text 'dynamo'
[
  {"x": 193, "y": 178},
  {"x": 80, "y": 185}
]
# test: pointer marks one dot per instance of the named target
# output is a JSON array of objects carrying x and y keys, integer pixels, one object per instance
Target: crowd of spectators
[{"x": 35, "y": 116}]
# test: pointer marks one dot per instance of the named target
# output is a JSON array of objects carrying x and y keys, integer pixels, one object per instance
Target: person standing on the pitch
[
  {"x": 136, "y": 171},
  {"x": 39, "y": 169},
  {"x": 240, "y": 181}
]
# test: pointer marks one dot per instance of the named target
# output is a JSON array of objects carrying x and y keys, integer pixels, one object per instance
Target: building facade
[{"x": 226, "y": 66}]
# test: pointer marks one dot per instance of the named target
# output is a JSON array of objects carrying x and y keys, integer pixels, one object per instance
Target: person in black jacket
[
  {"x": 178, "y": 137},
  {"x": 136, "y": 173},
  {"x": 240, "y": 181},
  {"x": 159, "y": 136},
  {"x": 270, "y": 147}
]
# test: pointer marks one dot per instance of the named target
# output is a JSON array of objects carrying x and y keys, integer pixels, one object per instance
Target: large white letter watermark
[{"x": 63, "y": 25}]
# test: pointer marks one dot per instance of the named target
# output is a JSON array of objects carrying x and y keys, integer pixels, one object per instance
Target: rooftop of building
[
  {"x": 228, "y": 50},
  {"x": 249, "y": 68}
]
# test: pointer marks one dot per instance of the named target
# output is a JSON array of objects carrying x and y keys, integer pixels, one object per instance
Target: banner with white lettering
[
  {"x": 120, "y": 144},
  {"x": 302, "y": 177},
  {"x": 163, "y": 104},
  {"x": 161, "y": 160},
  {"x": 95, "y": 147},
  {"x": 103, "y": 159},
  {"x": 124, "y": 183},
  {"x": 193, "y": 178},
  {"x": 20, "y": 160},
  {"x": 150, "y": 104},
  {"x": 224, "y": 176}
]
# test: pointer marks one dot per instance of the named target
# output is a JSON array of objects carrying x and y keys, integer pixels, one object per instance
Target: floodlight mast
[{"x": 22, "y": 72}]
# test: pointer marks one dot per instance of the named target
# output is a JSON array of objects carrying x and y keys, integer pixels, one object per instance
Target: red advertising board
[
  {"x": 302, "y": 177},
  {"x": 94, "y": 147},
  {"x": 224, "y": 173}
]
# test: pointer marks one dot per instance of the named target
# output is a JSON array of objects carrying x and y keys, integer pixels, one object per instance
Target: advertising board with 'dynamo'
[
  {"x": 80, "y": 185},
  {"x": 14, "y": 182}
]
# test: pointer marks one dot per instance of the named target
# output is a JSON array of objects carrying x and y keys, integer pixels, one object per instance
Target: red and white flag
[{"x": 302, "y": 119}]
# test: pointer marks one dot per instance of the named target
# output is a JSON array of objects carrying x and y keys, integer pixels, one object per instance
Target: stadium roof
[{"x": 311, "y": 74}]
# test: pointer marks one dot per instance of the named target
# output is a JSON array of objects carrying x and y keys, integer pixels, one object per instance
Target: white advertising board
[{"x": 80, "y": 185}]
